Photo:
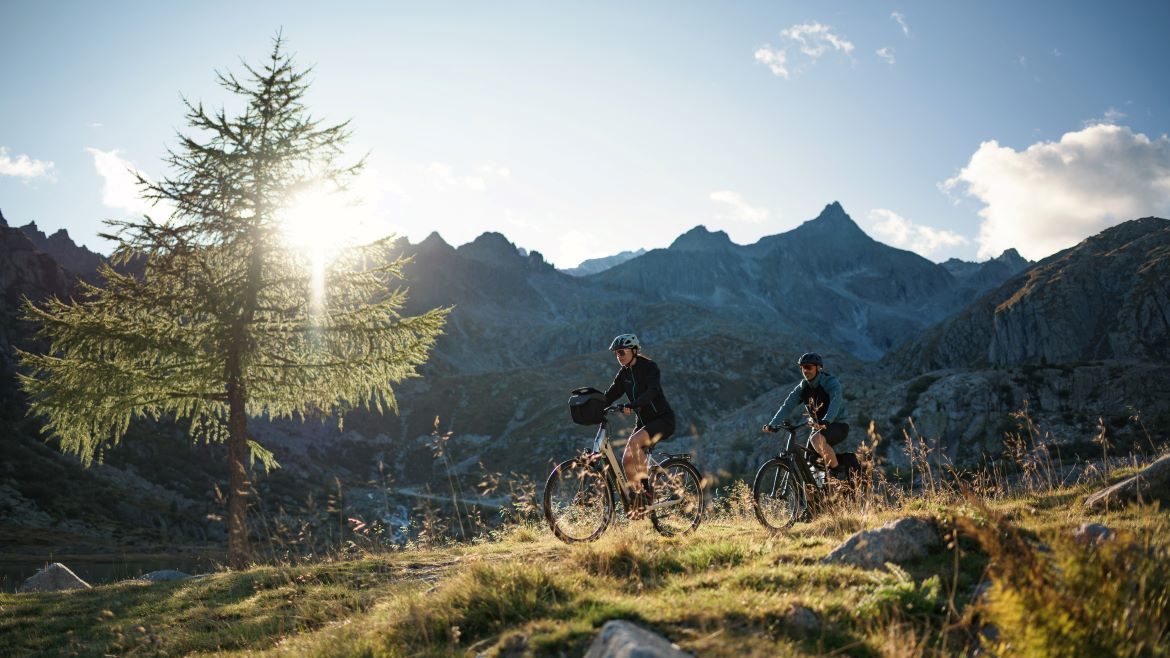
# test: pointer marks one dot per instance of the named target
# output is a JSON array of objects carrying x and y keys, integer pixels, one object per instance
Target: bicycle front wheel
[
  {"x": 678, "y": 497},
  {"x": 776, "y": 495},
  {"x": 578, "y": 502}
]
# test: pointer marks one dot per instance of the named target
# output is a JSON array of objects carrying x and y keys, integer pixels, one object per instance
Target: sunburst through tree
[{"x": 226, "y": 320}]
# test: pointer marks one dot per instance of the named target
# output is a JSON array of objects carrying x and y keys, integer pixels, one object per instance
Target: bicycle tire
[
  {"x": 677, "y": 477},
  {"x": 777, "y": 495},
  {"x": 578, "y": 501}
]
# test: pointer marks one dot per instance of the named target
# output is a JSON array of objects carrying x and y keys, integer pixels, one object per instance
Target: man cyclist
[
  {"x": 641, "y": 382},
  {"x": 821, "y": 393}
]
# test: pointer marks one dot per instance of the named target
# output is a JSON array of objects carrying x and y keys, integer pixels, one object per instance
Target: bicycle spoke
[
  {"x": 776, "y": 496},
  {"x": 577, "y": 501},
  {"x": 677, "y": 506}
]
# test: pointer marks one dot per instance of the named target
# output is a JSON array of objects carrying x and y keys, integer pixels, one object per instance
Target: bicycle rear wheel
[
  {"x": 777, "y": 495},
  {"x": 678, "y": 488},
  {"x": 578, "y": 502}
]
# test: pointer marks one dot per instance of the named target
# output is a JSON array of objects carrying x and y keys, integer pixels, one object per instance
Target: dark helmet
[
  {"x": 625, "y": 341},
  {"x": 811, "y": 358}
]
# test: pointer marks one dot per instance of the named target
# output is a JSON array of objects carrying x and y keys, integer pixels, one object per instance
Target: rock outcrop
[
  {"x": 897, "y": 541},
  {"x": 622, "y": 639},
  {"x": 1105, "y": 298},
  {"x": 1153, "y": 483},
  {"x": 55, "y": 577}
]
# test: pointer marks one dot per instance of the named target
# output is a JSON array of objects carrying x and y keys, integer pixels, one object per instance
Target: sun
[{"x": 321, "y": 223}]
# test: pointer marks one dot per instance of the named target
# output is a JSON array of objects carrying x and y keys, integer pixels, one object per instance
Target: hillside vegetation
[{"x": 1011, "y": 579}]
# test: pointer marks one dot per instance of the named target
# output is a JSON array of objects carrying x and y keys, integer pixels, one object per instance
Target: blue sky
[{"x": 584, "y": 129}]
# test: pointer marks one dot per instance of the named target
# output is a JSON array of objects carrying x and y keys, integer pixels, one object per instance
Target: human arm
[
  {"x": 836, "y": 401},
  {"x": 785, "y": 410},
  {"x": 615, "y": 389}
]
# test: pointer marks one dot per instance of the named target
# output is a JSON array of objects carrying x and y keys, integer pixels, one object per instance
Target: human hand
[
  {"x": 626, "y": 409},
  {"x": 768, "y": 429}
]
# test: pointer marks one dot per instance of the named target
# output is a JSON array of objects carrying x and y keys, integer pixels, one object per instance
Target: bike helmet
[
  {"x": 811, "y": 358},
  {"x": 625, "y": 341}
]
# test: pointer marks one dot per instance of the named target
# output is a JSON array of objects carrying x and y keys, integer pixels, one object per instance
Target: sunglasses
[
  {"x": 808, "y": 366},
  {"x": 621, "y": 352}
]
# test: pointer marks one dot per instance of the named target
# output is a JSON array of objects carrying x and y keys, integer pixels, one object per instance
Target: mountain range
[{"x": 958, "y": 346}]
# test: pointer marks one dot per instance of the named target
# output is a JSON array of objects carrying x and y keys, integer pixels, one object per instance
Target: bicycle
[
  {"x": 581, "y": 493},
  {"x": 791, "y": 485}
]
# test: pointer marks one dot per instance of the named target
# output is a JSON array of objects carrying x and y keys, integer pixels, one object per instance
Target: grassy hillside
[{"x": 730, "y": 589}]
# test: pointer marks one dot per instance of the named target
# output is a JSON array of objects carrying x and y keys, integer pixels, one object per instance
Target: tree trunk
[{"x": 238, "y": 483}]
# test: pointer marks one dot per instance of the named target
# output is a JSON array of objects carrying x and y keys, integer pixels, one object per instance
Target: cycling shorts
[
  {"x": 835, "y": 433},
  {"x": 659, "y": 429}
]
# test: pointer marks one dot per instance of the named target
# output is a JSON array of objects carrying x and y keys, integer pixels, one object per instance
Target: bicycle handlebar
[{"x": 786, "y": 426}]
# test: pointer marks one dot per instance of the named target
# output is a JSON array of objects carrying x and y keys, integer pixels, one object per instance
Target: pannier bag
[{"x": 587, "y": 405}]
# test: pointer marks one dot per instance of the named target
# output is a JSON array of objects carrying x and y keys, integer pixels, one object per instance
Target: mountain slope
[
  {"x": 825, "y": 278},
  {"x": 1105, "y": 298}
]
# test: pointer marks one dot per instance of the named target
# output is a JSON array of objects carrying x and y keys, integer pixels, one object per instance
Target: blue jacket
[{"x": 824, "y": 391}]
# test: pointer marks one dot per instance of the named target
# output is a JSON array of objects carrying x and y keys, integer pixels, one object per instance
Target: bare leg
[
  {"x": 634, "y": 459},
  {"x": 824, "y": 450}
]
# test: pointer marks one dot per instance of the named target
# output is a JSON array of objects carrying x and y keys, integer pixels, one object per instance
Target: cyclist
[
  {"x": 822, "y": 393},
  {"x": 640, "y": 380}
]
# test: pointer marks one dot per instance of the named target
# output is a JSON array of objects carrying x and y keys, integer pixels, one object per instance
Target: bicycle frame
[
  {"x": 794, "y": 453},
  {"x": 603, "y": 448}
]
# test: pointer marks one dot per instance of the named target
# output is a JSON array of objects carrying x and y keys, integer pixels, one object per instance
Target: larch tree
[{"x": 223, "y": 320}]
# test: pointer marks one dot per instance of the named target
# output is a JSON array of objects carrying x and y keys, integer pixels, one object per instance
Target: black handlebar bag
[{"x": 587, "y": 406}]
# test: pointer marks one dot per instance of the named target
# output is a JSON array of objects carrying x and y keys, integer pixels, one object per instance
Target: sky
[{"x": 583, "y": 129}]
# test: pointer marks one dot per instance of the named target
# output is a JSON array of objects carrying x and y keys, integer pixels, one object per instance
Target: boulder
[
  {"x": 1151, "y": 484},
  {"x": 55, "y": 577},
  {"x": 897, "y": 541},
  {"x": 622, "y": 639},
  {"x": 1093, "y": 533},
  {"x": 802, "y": 619}
]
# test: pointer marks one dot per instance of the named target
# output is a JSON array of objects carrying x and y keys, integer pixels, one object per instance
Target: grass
[{"x": 730, "y": 589}]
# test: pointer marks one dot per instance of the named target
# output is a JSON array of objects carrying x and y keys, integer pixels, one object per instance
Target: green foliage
[
  {"x": 222, "y": 297},
  {"x": 1077, "y": 597},
  {"x": 898, "y": 596}
]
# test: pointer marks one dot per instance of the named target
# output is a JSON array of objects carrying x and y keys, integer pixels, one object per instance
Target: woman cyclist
[{"x": 640, "y": 381}]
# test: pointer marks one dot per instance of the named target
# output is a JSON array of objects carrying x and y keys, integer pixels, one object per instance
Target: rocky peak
[
  {"x": 71, "y": 256},
  {"x": 492, "y": 248},
  {"x": 700, "y": 239},
  {"x": 832, "y": 224},
  {"x": 1013, "y": 259},
  {"x": 435, "y": 244},
  {"x": 3, "y": 222}
]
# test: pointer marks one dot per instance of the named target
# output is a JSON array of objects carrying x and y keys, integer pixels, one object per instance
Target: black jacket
[{"x": 641, "y": 382}]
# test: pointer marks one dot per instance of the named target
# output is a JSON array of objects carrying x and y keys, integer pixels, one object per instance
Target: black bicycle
[
  {"x": 791, "y": 485},
  {"x": 582, "y": 493}
]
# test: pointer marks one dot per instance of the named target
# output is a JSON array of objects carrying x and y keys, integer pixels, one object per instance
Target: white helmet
[{"x": 625, "y": 341}]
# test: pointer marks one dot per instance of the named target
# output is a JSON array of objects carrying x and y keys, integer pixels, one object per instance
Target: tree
[{"x": 226, "y": 321}]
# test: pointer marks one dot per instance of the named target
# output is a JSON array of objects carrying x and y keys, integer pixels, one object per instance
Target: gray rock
[
  {"x": 803, "y": 619},
  {"x": 1093, "y": 533},
  {"x": 622, "y": 639},
  {"x": 55, "y": 577},
  {"x": 896, "y": 541},
  {"x": 1152, "y": 483}
]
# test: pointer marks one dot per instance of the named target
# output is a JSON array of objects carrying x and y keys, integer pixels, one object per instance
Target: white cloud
[
  {"x": 493, "y": 169},
  {"x": 24, "y": 166},
  {"x": 1112, "y": 116},
  {"x": 1052, "y": 195},
  {"x": 893, "y": 229},
  {"x": 815, "y": 39},
  {"x": 886, "y": 54},
  {"x": 444, "y": 176},
  {"x": 812, "y": 39},
  {"x": 897, "y": 16},
  {"x": 776, "y": 60},
  {"x": 739, "y": 209},
  {"x": 120, "y": 189}
]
